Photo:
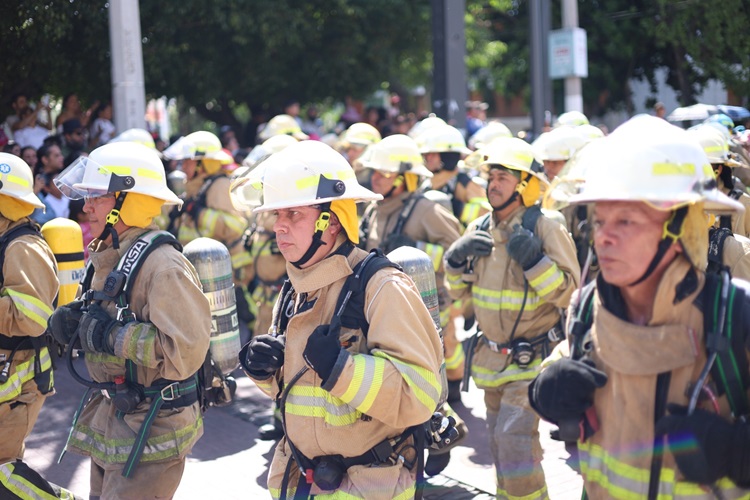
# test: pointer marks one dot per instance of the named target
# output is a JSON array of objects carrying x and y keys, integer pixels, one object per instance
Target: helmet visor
[
  {"x": 87, "y": 178},
  {"x": 182, "y": 149}
]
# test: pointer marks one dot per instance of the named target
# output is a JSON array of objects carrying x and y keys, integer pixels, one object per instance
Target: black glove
[
  {"x": 97, "y": 329},
  {"x": 473, "y": 243},
  {"x": 524, "y": 247},
  {"x": 193, "y": 209},
  {"x": 64, "y": 322},
  {"x": 322, "y": 351},
  {"x": 243, "y": 306},
  {"x": 565, "y": 389},
  {"x": 265, "y": 355},
  {"x": 705, "y": 445},
  {"x": 399, "y": 240}
]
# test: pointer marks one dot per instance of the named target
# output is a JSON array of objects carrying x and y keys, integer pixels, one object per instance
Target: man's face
[
  {"x": 29, "y": 156},
  {"x": 97, "y": 209},
  {"x": 20, "y": 104},
  {"x": 353, "y": 152},
  {"x": 53, "y": 162},
  {"x": 552, "y": 168},
  {"x": 75, "y": 139},
  {"x": 626, "y": 236},
  {"x": 294, "y": 228},
  {"x": 433, "y": 161},
  {"x": 501, "y": 185},
  {"x": 382, "y": 182}
]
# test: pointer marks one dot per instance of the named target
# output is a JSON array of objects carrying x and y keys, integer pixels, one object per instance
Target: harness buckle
[{"x": 171, "y": 392}]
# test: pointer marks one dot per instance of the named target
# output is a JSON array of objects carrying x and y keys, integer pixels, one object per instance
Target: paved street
[{"x": 229, "y": 462}]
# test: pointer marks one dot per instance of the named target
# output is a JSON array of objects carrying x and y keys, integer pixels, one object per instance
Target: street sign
[{"x": 567, "y": 53}]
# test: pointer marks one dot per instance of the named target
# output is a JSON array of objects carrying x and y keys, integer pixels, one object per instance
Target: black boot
[
  {"x": 436, "y": 462},
  {"x": 454, "y": 391}
]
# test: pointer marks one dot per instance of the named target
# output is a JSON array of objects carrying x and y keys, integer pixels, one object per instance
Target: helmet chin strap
[
  {"x": 671, "y": 233},
  {"x": 398, "y": 182},
  {"x": 317, "y": 241},
  {"x": 112, "y": 218}
]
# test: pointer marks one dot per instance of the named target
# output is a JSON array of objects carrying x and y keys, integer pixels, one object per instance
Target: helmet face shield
[
  {"x": 182, "y": 149},
  {"x": 86, "y": 178},
  {"x": 247, "y": 189}
]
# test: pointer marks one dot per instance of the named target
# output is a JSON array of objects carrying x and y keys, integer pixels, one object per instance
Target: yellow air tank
[{"x": 65, "y": 238}]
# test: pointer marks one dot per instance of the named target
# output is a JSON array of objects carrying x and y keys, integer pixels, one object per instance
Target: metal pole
[
  {"x": 449, "y": 66},
  {"x": 128, "y": 89},
  {"x": 538, "y": 46},
  {"x": 573, "y": 91}
]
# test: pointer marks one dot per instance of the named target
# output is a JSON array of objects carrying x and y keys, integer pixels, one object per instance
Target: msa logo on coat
[{"x": 133, "y": 254}]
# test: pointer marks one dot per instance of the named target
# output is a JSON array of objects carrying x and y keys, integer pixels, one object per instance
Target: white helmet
[
  {"x": 515, "y": 154},
  {"x": 589, "y": 132},
  {"x": 197, "y": 146},
  {"x": 120, "y": 166},
  {"x": 424, "y": 124},
  {"x": 558, "y": 144},
  {"x": 361, "y": 134},
  {"x": 647, "y": 159},
  {"x": 303, "y": 174},
  {"x": 488, "y": 133},
  {"x": 269, "y": 146},
  {"x": 16, "y": 180},
  {"x": 442, "y": 139},
  {"x": 397, "y": 154},
  {"x": 283, "y": 125},
  {"x": 572, "y": 119},
  {"x": 138, "y": 135},
  {"x": 712, "y": 142}
]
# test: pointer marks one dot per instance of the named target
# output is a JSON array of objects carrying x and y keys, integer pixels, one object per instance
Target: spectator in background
[
  {"x": 659, "y": 110},
  {"x": 102, "y": 129},
  {"x": 13, "y": 148},
  {"x": 31, "y": 133},
  {"x": 476, "y": 116},
  {"x": 19, "y": 102},
  {"x": 29, "y": 155},
  {"x": 229, "y": 139},
  {"x": 291, "y": 108},
  {"x": 50, "y": 159},
  {"x": 82, "y": 218},
  {"x": 312, "y": 125},
  {"x": 71, "y": 108},
  {"x": 42, "y": 215},
  {"x": 73, "y": 138}
]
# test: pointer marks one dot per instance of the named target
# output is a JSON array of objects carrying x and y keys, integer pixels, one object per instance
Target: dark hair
[
  {"x": 25, "y": 148},
  {"x": 66, "y": 97},
  {"x": 9, "y": 147},
  {"x": 15, "y": 96},
  {"x": 76, "y": 209}
]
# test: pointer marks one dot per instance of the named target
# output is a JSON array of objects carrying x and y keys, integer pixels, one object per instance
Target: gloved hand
[
  {"x": 322, "y": 350},
  {"x": 265, "y": 355},
  {"x": 702, "y": 443},
  {"x": 472, "y": 243},
  {"x": 399, "y": 240},
  {"x": 97, "y": 329},
  {"x": 524, "y": 247},
  {"x": 565, "y": 389},
  {"x": 193, "y": 209},
  {"x": 64, "y": 322}
]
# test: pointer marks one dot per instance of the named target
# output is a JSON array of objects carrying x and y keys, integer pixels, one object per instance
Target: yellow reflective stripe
[
  {"x": 455, "y": 281},
  {"x": 456, "y": 358},
  {"x": 138, "y": 171},
  {"x": 21, "y": 487},
  {"x": 276, "y": 492},
  {"x": 30, "y": 306},
  {"x": 484, "y": 377},
  {"x": 315, "y": 402},
  {"x": 435, "y": 252},
  {"x": 98, "y": 357},
  {"x": 234, "y": 223},
  {"x": 264, "y": 385},
  {"x": 116, "y": 451},
  {"x": 15, "y": 179},
  {"x": 423, "y": 382},
  {"x": 445, "y": 317},
  {"x": 548, "y": 281},
  {"x": 366, "y": 382},
  {"x": 208, "y": 219},
  {"x": 312, "y": 180},
  {"x": 22, "y": 373},
  {"x": 241, "y": 259},
  {"x": 187, "y": 234},
  {"x": 343, "y": 495},
  {"x": 504, "y": 300},
  {"x": 660, "y": 168},
  {"x": 538, "y": 494}
]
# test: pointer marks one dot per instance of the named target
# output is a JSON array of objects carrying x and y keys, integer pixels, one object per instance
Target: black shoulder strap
[
  {"x": 406, "y": 212},
  {"x": 716, "y": 238},
  {"x": 530, "y": 217},
  {"x": 350, "y": 306},
  {"x": 203, "y": 191},
  {"x": 581, "y": 320},
  {"x": 730, "y": 370},
  {"x": 10, "y": 235},
  {"x": 735, "y": 193}
]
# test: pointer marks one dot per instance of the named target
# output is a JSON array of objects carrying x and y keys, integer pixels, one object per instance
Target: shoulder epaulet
[
  {"x": 10, "y": 235},
  {"x": 350, "y": 306}
]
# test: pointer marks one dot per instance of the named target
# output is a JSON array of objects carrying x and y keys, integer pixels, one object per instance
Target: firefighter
[
  {"x": 520, "y": 271},
  {"x": 26, "y": 301},
  {"x": 645, "y": 390},
  {"x": 143, "y": 349},
  {"x": 348, "y": 396},
  {"x": 208, "y": 211}
]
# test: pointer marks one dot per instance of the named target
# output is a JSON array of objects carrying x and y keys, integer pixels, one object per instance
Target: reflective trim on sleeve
[
  {"x": 547, "y": 281},
  {"x": 21, "y": 373},
  {"x": 316, "y": 402},
  {"x": 537, "y": 495},
  {"x": 425, "y": 383},
  {"x": 504, "y": 300},
  {"x": 456, "y": 358},
  {"x": 366, "y": 382},
  {"x": 31, "y": 307}
]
